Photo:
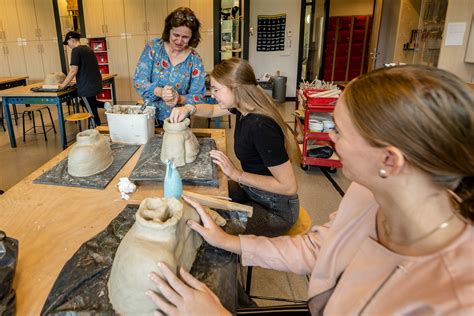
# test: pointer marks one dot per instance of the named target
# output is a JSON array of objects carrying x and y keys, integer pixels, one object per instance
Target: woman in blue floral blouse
[{"x": 170, "y": 72}]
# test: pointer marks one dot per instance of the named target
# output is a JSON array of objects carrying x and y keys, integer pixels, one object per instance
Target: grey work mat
[
  {"x": 81, "y": 287},
  {"x": 201, "y": 172},
  {"x": 58, "y": 175}
]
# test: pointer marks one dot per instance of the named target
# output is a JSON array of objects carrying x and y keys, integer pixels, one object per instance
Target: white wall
[
  {"x": 284, "y": 61},
  {"x": 451, "y": 58},
  {"x": 351, "y": 7}
]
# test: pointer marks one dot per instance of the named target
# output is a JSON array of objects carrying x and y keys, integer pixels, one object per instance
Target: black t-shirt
[
  {"x": 259, "y": 143},
  {"x": 88, "y": 78}
]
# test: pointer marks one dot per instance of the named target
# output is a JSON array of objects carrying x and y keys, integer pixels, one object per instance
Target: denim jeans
[{"x": 273, "y": 214}]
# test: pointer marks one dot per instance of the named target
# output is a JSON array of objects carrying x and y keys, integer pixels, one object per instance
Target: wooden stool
[
  {"x": 31, "y": 113},
  {"x": 78, "y": 118},
  {"x": 302, "y": 226}
]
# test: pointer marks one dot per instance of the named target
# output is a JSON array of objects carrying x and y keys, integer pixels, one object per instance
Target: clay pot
[
  {"x": 90, "y": 155},
  {"x": 179, "y": 143},
  {"x": 159, "y": 234},
  {"x": 54, "y": 78}
]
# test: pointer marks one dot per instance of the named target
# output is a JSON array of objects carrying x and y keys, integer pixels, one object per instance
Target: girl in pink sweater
[{"x": 401, "y": 242}]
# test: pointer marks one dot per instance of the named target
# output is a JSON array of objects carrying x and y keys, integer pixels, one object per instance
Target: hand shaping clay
[
  {"x": 90, "y": 155},
  {"x": 179, "y": 143},
  {"x": 160, "y": 234}
]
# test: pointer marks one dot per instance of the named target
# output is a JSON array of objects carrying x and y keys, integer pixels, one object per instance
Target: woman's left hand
[
  {"x": 226, "y": 165},
  {"x": 190, "y": 297}
]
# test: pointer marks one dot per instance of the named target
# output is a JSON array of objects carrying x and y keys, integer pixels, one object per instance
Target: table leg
[
  {"x": 114, "y": 95},
  {"x": 8, "y": 120},
  {"x": 62, "y": 130}
]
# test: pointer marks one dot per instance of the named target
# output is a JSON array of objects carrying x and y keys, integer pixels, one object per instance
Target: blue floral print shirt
[{"x": 154, "y": 69}]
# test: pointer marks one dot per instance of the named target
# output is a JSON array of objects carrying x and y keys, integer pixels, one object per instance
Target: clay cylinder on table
[
  {"x": 179, "y": 143},
  {"x": 91, "y": 154},
  {"x": 159, "y": 234}
]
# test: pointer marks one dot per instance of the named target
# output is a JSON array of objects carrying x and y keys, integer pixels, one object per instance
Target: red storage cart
[{"x": 315, "y": 105}]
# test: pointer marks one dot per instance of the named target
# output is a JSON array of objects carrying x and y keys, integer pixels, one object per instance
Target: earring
[{"x": 383, "y": 173}]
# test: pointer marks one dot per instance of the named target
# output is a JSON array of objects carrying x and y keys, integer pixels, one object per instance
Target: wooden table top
[
  {"x": 25, "y": 91},
  {"x": 11, "y": 79},
  {"x": 52, "y": 222}
]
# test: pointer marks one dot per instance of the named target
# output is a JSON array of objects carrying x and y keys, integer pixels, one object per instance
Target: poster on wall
[{"x": 271, "y": 32}]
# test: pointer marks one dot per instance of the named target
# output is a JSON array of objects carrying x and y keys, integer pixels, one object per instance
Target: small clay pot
[{"x": 90, "y": 155}]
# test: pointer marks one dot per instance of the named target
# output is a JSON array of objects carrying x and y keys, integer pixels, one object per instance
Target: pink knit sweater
[{"x": 351, "y": 273}]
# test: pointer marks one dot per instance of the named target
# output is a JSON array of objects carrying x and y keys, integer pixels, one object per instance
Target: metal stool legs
[{"x": 32, "y": 113}]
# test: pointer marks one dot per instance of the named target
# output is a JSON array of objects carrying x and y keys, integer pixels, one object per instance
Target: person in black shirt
[
  {"x": 85, "y": 68},
  {"x": 262, "y": 143}
]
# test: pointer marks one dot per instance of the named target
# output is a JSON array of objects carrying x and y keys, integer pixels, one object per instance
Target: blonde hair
[
  {"x": 249, "y": 97},
  {"x": 427, "y": 113}
]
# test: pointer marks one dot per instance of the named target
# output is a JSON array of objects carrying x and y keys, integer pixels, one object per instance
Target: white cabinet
[
  {"x": 16, "y": 59},
  {"x": 9, "y": 26},
  {"x": 36, "y": 19},
  {"x": 174, "y": 4},
  {"x": 118, "y": 64},
  {"x": 103, "y": 18},
  {"x": 93, "y": 18},
  {"x": 33, "y": 61},
  {"x": 145, "y": 16},
  {"x": 4, "y": 67},
  {"x": 155, "y": 12}
]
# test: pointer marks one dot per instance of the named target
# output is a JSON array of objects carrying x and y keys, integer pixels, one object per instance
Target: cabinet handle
[
  {"x": 103, "y": 29},
  {"x": 144, "y": 26},
  {"x": 148, "y": 26},
  {"x": 2, "y": 35},
  {"x": 106, "y": 28},
  {"x": 39, "y": 32},
  {"x": 7, "y": 51}
]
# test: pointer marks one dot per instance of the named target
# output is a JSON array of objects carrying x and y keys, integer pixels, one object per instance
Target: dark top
[
  {"x": 259, "y": 143},
  {"x": 88, "y": 78}
]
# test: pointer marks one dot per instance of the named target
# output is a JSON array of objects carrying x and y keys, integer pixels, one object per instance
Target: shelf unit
[
  {"x": 347, "y": 44},
  {"x": 315, "y": 105},
  {"x": 99, "y": 46}
]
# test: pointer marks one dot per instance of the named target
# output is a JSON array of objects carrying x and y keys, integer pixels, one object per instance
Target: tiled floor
[{"x": 317, "y": 194}]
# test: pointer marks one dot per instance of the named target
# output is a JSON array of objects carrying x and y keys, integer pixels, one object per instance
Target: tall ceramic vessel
[
  {"x": 179, "y": 143},
  {"x": 90, "y": 155},
  {"x": 159, "y": 234}
]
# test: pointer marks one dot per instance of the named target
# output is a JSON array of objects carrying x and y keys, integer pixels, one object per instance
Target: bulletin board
[{"x": 271, "y": 32}]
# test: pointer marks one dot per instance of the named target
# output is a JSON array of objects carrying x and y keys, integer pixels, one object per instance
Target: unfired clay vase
[
  {"x": 90, "y": 155},
  {"x": 160, "y": 234},
  {"x": 179, "y": 143}
]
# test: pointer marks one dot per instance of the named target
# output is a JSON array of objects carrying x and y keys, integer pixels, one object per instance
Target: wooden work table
[{"x": 51, "y": 222}]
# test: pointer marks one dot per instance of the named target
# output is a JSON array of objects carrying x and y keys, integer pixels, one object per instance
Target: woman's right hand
[
  {"x": 211, "y": 232},
  {"x": 179, "y": 113}
]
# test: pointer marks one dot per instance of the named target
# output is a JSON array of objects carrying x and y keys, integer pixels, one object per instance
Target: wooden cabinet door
[
  {"x": 204, "y": 12},
  {"x": 27, "y": 19},
  {"x": 45, "y": 19},
  {"x": 33, "y": 60},
  {"x": 155, "y": 13},
  {"x": 118, "y": 64},
  {"x": 135, "y": 45},
  {"x": 9, "y": 24},
  {"x": 4, "y": 67},
  {"x": 135, "y": 20},
  {"x": 174, "y": 4},
  {"x": 16, "y": 59},
  {"x": 50, "y": 54},
  {"x": 114, "y": 17},
  {"x": 206, "y": 50},
  {"x": 93, "y": 18}
]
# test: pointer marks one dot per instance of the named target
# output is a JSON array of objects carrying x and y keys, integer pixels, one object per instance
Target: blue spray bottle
[{"x": 173, "y": 186}]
